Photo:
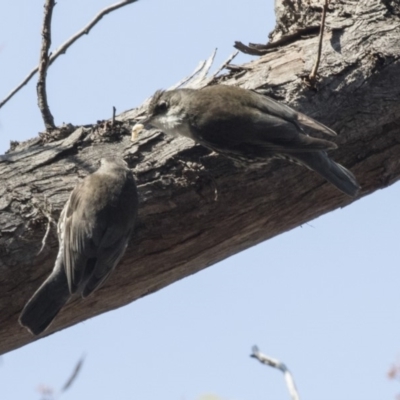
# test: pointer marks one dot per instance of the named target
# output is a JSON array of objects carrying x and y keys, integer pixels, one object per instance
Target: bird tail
[
  {"x": 333, "y": 172},
  {"x": 46, "y": 303}
]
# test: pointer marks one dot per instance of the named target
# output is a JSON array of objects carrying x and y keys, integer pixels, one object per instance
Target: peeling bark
[{"x": 183, "y": 228}]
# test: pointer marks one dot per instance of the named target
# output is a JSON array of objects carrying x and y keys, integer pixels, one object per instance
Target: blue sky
[{"x": 323, "y": 298}]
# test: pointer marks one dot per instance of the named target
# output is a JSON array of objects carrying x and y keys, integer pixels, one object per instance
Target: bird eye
[{"x": 161, "y": 107}]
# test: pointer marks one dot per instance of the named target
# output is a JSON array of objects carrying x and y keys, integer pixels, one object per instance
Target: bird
[
  {"x": 94, "y": 229},
  {"x": 247, "y": 127}
]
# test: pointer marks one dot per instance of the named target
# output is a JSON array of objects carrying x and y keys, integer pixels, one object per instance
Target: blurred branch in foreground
[
  {"x": 264, "y": 359},
  {"x": 48, "y": 393}
]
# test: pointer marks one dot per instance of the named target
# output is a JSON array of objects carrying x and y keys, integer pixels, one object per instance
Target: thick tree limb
[{"x": 182, "y": 228}]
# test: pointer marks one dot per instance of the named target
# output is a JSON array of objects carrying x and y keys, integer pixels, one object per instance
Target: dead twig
[
  {"x": 257, "y": 49},
  {"x": 43, "y": 64},
  {"x": 197, "y": 76},
  {"x": 49, "y": 393},
  {"x": 113, "y": 116},
  {"x": 313, "y": 75},
  {"x": 251, "y": 49},
  {"x": 85, "y": 31},
  {"x": 64, "y": 47},
  {"x": 279, "y": 365},
  {"x": 225, "y": 64},
  {"x": 200, "y": 78}
]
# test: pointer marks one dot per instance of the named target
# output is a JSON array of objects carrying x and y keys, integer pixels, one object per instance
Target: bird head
[
  {"x": 112, "y": 164},
  {"x": 166, "y": 111}
]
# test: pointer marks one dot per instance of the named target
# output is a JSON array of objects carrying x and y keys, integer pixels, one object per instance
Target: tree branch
[
  {"x": 74, "y": 374},
  {"x": 266, "y": 360},
  {"x": 66, "y": 45},
  {"x": 43, "y": 64},
  {"x": 313, "y": 75}
]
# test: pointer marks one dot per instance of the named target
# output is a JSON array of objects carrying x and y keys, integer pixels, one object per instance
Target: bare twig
[
  {"x": 225, "y": 64},
  {"x": 113, "y": 116},
  {"x": 49, "y": 393},
  {"x": 85, "y": 31},
  {"x": 64, "y": 47},
  {"x": 43, "y": 64},
  {"x": 183, "y": 81},
  {"x": 257, "y": 49},
  {"x": 18, "y": 88},
  {"x": 279, "y": 365},
  {"x": 200, "y": 78},
  {"x": 313, "y": 75},
  {"x": 253, "y": 51},
  {"x": 74, "y": 374},
  {"x": 198, "y": 75}
]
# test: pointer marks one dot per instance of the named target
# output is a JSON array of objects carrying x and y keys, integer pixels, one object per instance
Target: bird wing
[
  {"x": 249, "y": 126},
  {"x": 99, "y": 218},
  {"x": 272, "y": 107},
  {"x": 276, "y": 134},
  {"x": 312, "y": 123},
  {"x": 77, "y": 230},
  {"x": 112, "y": 243},
  {"x": 111, "y": 250}
]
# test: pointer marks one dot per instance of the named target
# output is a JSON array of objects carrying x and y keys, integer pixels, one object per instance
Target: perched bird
[
  {"x": 247, "y": 127},
  {"x": 94, "y": 228}
]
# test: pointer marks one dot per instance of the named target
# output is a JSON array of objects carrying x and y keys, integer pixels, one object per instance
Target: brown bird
[
  {"x": 94, "y": 228},
  {"x": 247, "y": 127}
]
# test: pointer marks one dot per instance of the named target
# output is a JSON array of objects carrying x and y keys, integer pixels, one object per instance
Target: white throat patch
[{"x": 173, "y": 125}]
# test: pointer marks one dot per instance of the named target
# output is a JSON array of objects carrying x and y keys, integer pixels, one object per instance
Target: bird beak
[{"x": 143, "y": 122}]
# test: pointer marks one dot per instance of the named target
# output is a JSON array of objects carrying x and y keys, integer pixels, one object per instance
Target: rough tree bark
[{"x": 183, "y": 228}]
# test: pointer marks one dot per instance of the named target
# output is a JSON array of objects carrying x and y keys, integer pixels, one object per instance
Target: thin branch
[
  {"x": 225, "y": 64},
  {"x": 18, "y": 88},
  {"x": 197, "y": 76},
  {"x": 256, "y": 49},
  {"x": 313, "y": 75},
  {"x": 185, "y": 80},
  {"x": 43, "y": 64},
  {"x": 85, "y": 31},
  {"x": 113, "y": 116},
  {"x": 200, "y": 78},
  {"x": 74, "y": 374},
  {"x": 64, "y": 47},
  {"x": 294, "y": 394},
  {"x": 249, "y": 49}
]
